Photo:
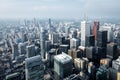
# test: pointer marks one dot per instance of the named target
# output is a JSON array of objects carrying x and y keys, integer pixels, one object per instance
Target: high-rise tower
[
  {"x": 85, "y": 31},
  {"x": 95, "y": 28},
  {"x": 50, "y": 26}
]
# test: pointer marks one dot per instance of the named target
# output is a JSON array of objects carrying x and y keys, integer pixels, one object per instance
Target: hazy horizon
[{"x": 59, "y": 9}]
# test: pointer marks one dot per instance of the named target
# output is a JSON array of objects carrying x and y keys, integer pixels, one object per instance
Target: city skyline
[
  {"x": 59, "y": 9},
  {"x": 59, "y": 40}
]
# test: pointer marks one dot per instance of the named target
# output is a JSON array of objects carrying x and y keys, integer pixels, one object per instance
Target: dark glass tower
[{"x": 102, "y": 39}]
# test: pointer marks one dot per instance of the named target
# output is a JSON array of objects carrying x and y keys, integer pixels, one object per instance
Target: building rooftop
[
  {"x": 33, "y": 59},
  {"x": 12, "y": 75},
  {"x": 63, "y": 58},
  {"x": 64, "y": 45}
]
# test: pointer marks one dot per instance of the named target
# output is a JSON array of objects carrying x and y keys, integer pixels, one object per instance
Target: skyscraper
[
  {"x": 43, "y": 37},
  {"x": 30, "y": 50},
  {"x": 74, "y": 43},
  {"x": 34, "y": 68},
  {"x": 55, "y": 38},
  {"x": 109, "y": 30},
  {"x": 49, "y": 22},
  {"x": 15, "y": 50},
  {"x": 90, "y": 40},
  {"x": 47, "y": 45},
  {"x": 50, "y": 26},
  {"x": 95, "y": 28},
  {"x": 85, "y": 31},
  {"x": 22, "y": 48},
  {"x": 63, "y": 48},
  {"x": 102, "y": 38},
  {"x": 112, "y": 50},
  {"x": 62, "y": 66}
]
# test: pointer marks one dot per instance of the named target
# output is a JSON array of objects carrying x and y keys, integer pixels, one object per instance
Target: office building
[
  {"x": 50, "y": 26},
  {"x": 100, "y": 52},
  {"x": 90, "y": 53},
  {"x": 113, "y": 74},
  {"x": 15, "y": 50},
  {"x": 102, "y": 73},
  {"x": 112, "y": 50},
  {"x": 34, "y": 68},
  {"x": 67, "y": 30},
  {"x": 82, "y": 49},
  {"x": 62, "y": 39},
  {"x": 67, "y": 42},
  {"x": 81, "y": 64},
  {"x": 20, "y": 59},
  {"x": 78, "y": 53},
  {"x": 61, "y": 67},
  {"x": 51, "y": 55},
  {"x": 90, "y": 40},
  {"x": 55, "y": 38},
  {"x": 109, "y": 29},
  {"x": 48, "y": 45},
  {"x": 50, "y": 23},
  {"x": 95, "y": 28},
  {"x": 74, "y": 34},
  {"x": 30, "y": 50},
  {"x": 55, "y": 45},
  {"x": 118, "y": 76},
  {"x": 102, "y": 38},
  {"x": 43, "y": 37},
  {"x": 85, "y": 31},
  {"x": 22, "y": 48},
  {"x": 91, "y": 70},
  {"x": 75, "y": 53},
  {"x": 74, "y": 43},
  {"x": 116, "y": 64},
  {"x": 63, "y": 48},
  {"x": 25, "y": 37},
  {"x": 37, "y": 50}
]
